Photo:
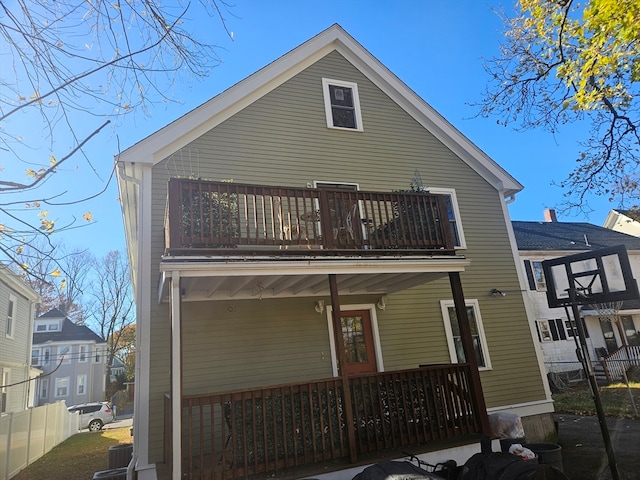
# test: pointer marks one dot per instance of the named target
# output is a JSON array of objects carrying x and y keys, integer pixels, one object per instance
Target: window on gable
[
  {"x": 41, "y": 328},
  {"x": 82, "y": 357},
  {"x": 53, "y": 327},
  {"x": 342, "y": 105},
  {"x": 454, "y": 339},
  {"x": 453, "y": 213},
  {"x": 11, "y": 316}
]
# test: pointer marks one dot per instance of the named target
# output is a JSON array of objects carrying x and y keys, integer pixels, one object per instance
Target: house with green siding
[{"x": 318, "y": 258}]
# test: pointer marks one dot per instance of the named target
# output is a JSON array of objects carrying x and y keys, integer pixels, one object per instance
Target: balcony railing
[
  {"x": 218, "y": 216},
  {"x": 263, "y": 430}
]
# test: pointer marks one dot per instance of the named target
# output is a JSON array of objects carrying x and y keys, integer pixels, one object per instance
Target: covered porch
[{"x": 229, "y": 241}]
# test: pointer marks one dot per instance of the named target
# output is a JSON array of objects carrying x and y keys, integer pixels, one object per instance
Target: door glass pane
[{"x": 354, "y": 341}]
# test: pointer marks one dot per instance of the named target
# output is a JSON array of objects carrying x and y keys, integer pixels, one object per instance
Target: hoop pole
[{"x": 595, "y": 393}]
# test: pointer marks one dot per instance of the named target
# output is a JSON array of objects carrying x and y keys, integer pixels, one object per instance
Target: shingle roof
[
  {"x": 70, "y": 332},
  {"x": 578, "y": 236}
]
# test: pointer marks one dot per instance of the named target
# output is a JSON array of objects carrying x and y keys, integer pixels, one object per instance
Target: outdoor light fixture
[
  {"x": 495, "y": 293},
  {"x": 382, "y": 302},
  {"x": 319, "y": 306}
]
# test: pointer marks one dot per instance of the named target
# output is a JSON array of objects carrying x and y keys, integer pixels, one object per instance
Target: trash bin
[
  {"x": 547, "y": 453},
  {"x": 114, "y": 474},
  {"x": 120, "y": 455}
]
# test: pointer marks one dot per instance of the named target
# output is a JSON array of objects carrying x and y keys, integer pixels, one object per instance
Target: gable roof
[
  {"x": 578, "y": 236},
  {"x": 53, "y": 313},
  {"x": 192, "y": 125},
  {"x": 15, "y": 283},
  {"x": 69, "y": 332}
]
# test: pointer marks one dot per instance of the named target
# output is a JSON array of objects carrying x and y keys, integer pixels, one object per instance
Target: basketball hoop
[{"x": 608, "y": 310}]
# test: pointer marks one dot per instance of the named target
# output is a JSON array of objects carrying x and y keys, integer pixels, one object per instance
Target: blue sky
[{"x": 435, "y": 46}]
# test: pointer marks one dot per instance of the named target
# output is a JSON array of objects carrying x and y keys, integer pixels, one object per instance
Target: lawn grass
[
  {"x": 616, "y": 400},
  {"x": 77, "y": 458}
]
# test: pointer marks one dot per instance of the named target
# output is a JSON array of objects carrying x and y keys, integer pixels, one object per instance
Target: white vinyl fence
[{"x": 26, "y": 436}]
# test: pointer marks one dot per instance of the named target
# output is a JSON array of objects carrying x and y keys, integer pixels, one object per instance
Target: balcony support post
[
  {"x": 469, "y": 352},
  {"x": 340, "y": 354},
  {"x": 176, "y": 375}
]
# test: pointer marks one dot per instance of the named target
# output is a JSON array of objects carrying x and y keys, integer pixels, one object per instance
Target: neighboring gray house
[
  {"x": 609, "y": 335},
  {"x": 17, "y": 308},
  {"x": 72, "y": 358}
]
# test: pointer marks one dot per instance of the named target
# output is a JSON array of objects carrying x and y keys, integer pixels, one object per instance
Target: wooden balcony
[
  {"x": 208, "y": 218},
  {"x": 263, "y": 430}
]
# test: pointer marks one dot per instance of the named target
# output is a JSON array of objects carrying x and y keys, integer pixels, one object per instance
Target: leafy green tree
[{"x": 564, "y": 61}]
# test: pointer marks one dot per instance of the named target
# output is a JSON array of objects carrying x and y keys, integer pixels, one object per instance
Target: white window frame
[
  {"x": 374, "y": 330},
  {"x": 5, "y": 380},
  {"x": 451, "y": 193},
  {"x": 35, "y": 354},
  {"x": 58, "y": 381},
  {"x": 11, "y": 316},
  {"x": 538, "y": 276},
  {"x": 444, "y": 306},
  {"x": 46, "y": 355},
  {"x": 81, "y": 385},
  {"x": 66, "y": 353},
  {"x": 53, "y": 327},
  {"x": 82, "y": 354},
  {"x": 41, "y": 327},
  {"x": 326, "y": 82},
  {"x": 545, "y": 331},
  {"x": 97, "y": 355},
  {"x": 44, "y": 388}
]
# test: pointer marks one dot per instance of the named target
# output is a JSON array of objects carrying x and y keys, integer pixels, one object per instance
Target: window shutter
[
  {"x": 584, "y": 325},
  {"x": 530, "y": 277},
  {"x": 538, "y": 330},
  {"x": 554, "y": 330},
  {"x": 561, "y": 333}
]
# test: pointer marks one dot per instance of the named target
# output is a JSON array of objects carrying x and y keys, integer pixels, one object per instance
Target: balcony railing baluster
[{"x": 218, "y": 217}]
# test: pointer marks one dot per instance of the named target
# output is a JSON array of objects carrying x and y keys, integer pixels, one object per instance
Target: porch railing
[
  {"x": 204, "y": 215},
  {"x": 617, "y": 363},
  {"x": 256, "y": 431}
]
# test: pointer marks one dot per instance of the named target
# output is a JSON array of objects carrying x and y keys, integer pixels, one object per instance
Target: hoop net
[{"x": 608, "y": 309}]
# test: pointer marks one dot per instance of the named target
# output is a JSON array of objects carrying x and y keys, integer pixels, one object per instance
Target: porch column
[
  {"x": 469, "y": 351},
  {"x": 176, "y": 376},
  {"x": 346, "y": 390}
]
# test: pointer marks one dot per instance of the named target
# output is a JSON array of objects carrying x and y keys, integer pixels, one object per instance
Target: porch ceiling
[{"x": 227, "y": 278}]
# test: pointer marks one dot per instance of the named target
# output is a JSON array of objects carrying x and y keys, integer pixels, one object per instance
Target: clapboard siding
[{"x": 282, "y": 139}]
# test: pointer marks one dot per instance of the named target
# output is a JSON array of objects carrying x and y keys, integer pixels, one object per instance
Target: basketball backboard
[{"x": 596, "y": 276}]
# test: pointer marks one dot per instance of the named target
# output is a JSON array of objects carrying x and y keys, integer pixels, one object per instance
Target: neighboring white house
[
  {"x": 623, "y": 221},
  {"x": 17, "y": 305},
  {"x": 72, "y": 358},
  {"x": 538, "y": 241}
]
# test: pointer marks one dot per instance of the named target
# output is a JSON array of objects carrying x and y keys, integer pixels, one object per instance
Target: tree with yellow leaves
[{"x": 565, "y": 61}]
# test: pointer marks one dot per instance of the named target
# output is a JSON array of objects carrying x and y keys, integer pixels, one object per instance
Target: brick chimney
[{"x": 550, "y": 215}]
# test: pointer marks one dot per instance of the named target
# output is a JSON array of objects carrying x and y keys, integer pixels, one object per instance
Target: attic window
[{"x": 342, "y": 105}]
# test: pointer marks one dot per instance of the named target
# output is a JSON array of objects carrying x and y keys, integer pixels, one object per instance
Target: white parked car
[{"x": 94, "y": 415}]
